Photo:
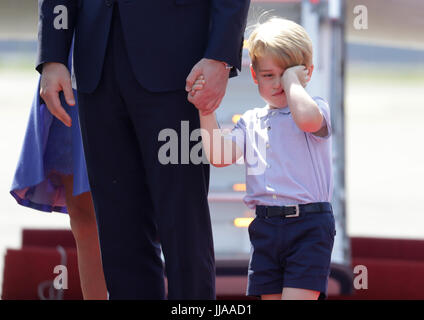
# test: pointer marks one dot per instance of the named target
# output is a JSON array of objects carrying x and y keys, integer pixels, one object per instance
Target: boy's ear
[
  {"x": 252, "y": 71},
  {"x": 310, "y": 70}
]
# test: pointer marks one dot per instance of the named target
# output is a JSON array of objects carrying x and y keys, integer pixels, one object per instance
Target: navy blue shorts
[{"x": 290, "y": 252}]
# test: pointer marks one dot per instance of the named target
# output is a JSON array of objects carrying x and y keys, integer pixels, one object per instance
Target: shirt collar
[{"x": 265, "y": 111}]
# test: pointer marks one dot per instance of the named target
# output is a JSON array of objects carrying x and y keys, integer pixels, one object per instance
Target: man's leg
[
  {"x": 179, "y": 194},
  {"x": 125, "y": 216},
  {"x": 178, "y": 191}
]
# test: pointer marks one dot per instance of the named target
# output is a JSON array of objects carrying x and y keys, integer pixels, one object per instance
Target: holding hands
[
  {"x": 197, "y": 85},
  {"x": 215, "y": 77}
]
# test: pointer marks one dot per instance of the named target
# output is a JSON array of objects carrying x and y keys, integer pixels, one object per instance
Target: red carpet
[
  {"x": 395, "y": 267},
  {"x": 29, "y": 272}
]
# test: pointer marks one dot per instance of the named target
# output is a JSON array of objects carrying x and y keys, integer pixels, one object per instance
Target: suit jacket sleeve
[
  {"x": 228, "y": 18},
  {"x": 54, "y": 43}
]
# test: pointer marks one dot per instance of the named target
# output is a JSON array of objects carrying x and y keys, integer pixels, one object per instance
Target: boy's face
[{"x": 268, "y": 76}]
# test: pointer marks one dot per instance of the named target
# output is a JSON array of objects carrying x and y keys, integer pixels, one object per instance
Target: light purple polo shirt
[{"x": 284, "y": 165}]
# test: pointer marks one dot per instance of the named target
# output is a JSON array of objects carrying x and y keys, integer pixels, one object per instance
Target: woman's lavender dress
[{"x": 49, "y": 149}]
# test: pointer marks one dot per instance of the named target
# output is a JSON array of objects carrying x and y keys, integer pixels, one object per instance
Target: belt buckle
[{"x": 295, "y": 214}]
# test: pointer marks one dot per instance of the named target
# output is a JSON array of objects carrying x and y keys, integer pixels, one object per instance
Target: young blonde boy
[{"x": 286, "y": 147}]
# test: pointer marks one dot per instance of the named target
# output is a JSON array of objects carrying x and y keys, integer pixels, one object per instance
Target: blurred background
[{"x": 380, "y": 70}]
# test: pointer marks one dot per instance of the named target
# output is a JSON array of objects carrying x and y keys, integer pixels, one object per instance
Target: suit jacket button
[{"x": 109, "y": 3}]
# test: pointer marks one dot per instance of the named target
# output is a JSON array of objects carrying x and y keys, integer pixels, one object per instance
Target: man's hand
[
  {"x": 216, "y": 78},
  {"x": 55, "y": 78},
  {"x": 300, "y": 72}
]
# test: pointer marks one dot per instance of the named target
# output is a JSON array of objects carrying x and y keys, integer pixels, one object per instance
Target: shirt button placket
[{"x": 268, "y": 186}]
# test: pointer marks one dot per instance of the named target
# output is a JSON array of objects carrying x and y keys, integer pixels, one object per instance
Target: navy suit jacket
[{"x": 164, "y": 38}]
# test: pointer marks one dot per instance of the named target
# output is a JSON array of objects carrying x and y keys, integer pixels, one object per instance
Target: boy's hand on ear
[{"x": 300, "y": 72}]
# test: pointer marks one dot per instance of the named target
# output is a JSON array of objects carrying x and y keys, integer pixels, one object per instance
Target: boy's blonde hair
[{"x": 286, "y": 41}]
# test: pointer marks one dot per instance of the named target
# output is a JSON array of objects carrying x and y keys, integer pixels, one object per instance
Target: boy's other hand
[
  {"x": 216, "y": 79},
  {"x": 300, "y": 72}
]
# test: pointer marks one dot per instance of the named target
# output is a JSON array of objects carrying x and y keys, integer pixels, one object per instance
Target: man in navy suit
[{"x": 134, "y": 62}]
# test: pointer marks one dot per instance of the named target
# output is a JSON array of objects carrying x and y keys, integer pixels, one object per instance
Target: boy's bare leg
[
  {"x": 299, "y": 294},
  {"x": 275, "y": 296},
  {"x": 84, "y": 228},
  {"x": 292, "y": 294}
]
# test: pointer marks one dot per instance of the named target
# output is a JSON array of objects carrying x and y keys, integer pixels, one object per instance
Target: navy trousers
[{"x": 143, "y": 206}]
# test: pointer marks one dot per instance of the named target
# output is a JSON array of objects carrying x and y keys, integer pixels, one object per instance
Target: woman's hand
[{"x": 55, "y": 78}]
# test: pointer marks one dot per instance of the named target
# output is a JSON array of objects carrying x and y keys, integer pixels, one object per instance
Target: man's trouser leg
[{"x": 138, "y": 200}]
